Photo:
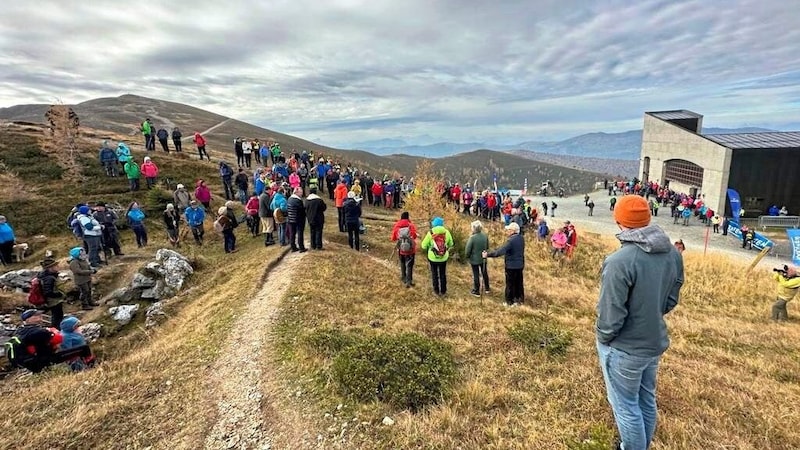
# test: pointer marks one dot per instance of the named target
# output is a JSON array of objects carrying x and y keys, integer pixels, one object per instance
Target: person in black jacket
[
  {"x": 315, "y": 213},
  {"x": 54, "y": 298},
  {"x": 176, "y": 139},
  {"x": 172, "y": 221},
  {"x": 163, "y": 136},
  {"x": 352, "y": 212},
  {"x": 265, "y": 214},
  {"x": 296, "y": 217},
  {"x": 514, "y": 252}
]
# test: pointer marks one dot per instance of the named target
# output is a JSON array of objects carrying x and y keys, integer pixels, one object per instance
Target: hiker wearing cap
[
  {"x": 172, "y": 221},
  {"x": 438, "y": 242},
  {"x": 7, "y": 241},
  {"x": 135, "y": 217},
  {"x": 405, "y": 234},
  {"x": 477, "y": 243},
  {"x": 351, "y": 213},
  {"x": 73, "y": 343},
  {"x": 37, "y": 344},
  {"x": 82, "y": 276},
  {"x": 640, "y": 283},
  {"x": 514, "y": 252},
  {"x": 195, "y": 216},
  {"x": 150, "y": 172},
  {"x": 92, "y": 234},
  {"x": 788, "y": 286},
  {"x": 108, "y": 222},
  {"x": 53, "y": 297},
  {"x": 181, "y": 197}
]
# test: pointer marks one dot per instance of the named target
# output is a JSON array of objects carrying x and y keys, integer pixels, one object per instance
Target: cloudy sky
[{"x": 342, "y": 71}]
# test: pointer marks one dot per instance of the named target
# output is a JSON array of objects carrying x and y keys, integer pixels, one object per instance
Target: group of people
[{"x": 151, "y": 134}]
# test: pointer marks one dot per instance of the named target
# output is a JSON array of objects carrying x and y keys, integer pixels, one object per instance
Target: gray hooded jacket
[{"x": 640, "y": 284}]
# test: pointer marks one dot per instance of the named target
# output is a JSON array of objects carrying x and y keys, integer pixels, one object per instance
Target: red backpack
[
  {"x": 36, "y": 294},
  {"x": 439, "y": 244}
]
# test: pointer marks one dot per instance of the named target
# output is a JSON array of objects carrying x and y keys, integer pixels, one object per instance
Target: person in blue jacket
[
  {"x": 195, "y": 216},
  {"x": 279, "y": 206},
  {"x": 123, "y": 153},
  {"x": 7, "y": 241},
  {"x": 135, "y": 217},
  {"x": 514, "y": 252},
  {"x": 72, "y": 339},
  {"x": 108, "y": 158},
  {"x": 322, "y": 170}
]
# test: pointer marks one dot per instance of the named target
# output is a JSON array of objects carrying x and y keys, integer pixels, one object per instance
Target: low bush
[
  {"x": 405, "y": 371},
  {"x": 536, "y": 336},
  {"x": 329, "y": 342},
  {"x": 157, "y": 199}
]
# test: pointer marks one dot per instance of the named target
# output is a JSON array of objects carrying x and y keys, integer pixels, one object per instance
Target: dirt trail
[
  {"x": 186, "y": 138},
  {"x": 241, "y": 380}
]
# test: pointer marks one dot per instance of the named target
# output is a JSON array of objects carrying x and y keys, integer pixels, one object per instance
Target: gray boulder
[
  {"x": 171, "y": 269},
  {"x": 142, "y": 281},
  {"x": 123, "y": 314},
  {"x": 154, "y": 314},
  {"x": 18, "y": 279},
  {"x": 91, "y": 331}
]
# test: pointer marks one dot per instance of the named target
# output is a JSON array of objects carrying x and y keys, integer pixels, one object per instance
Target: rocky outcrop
[
  {"x": 123, "y": 314},
  {"x": 154, "y": 314},
  {"x": 17, "y": 279},
  {"x": 159, "y": 279},
  {"x": 91, "y": 331}
]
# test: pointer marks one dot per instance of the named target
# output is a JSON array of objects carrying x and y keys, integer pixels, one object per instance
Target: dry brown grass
[
  {"x": 729, "y": 380},
  {"x": 151, "y": 388}
]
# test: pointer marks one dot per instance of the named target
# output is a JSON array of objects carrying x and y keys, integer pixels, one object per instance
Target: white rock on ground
[{"x": 123, "y": 314}]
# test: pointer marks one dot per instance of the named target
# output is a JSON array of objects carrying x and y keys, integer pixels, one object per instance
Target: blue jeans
[
  {"x": 631, "y": 389},
  {"x": 282, "y": 238}
]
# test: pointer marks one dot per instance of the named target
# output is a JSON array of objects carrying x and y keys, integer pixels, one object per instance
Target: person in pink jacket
[
  {"x": 203, "y": 194},
  {"x": 294, "y": 180},
  {"x": 150, "y": 171},
  {"x": 559, "y": 242}
]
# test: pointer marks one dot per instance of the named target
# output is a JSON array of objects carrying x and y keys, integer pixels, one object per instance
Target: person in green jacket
[
  {"x": 438, "y": 243},
  {"x": 147, "y": 131},
  {"x": 133, "y": 173},
  {"x": 476, "y": 244}
]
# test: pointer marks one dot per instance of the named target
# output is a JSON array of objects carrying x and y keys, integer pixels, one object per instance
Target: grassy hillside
[{"x": 122, "y": 116}]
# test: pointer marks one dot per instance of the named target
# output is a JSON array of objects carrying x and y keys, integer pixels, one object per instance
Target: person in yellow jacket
[
  {"x": 438, "y": 243},
  {"x": 788, "y": 285},
  {"x": 356, "y": 188}
]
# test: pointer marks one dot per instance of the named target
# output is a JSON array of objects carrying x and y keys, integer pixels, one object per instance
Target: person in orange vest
[{"x": 339, "y": 196}]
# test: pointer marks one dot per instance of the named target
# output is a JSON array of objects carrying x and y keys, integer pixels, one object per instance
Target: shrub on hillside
[
  {"x": 535, "y": 336},
  {"x": 157, "y": 199},
  {"x": 405, "y": 371},
  {"x": 329, "y": 342}
]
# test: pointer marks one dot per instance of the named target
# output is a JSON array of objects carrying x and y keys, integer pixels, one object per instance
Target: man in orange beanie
[{"x": 640, "y": 284}]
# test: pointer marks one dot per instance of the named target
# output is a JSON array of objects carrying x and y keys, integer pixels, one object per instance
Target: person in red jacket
[
  {"x": 200, "y": 141},
  {"x": 491, "y": 204},
  {"x": 252, "y": 214},
  {"x": 339, "y": 196},
  {"x": 572, "y": 238},
  {"x": 377, "y": 193},
  {"x": 405, "y": 234},
  {"x": 455, "y": 195}
]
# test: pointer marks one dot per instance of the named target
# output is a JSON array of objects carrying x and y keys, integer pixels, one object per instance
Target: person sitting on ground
[
  {"x": 37, "y": 344},
  {"x": 477, "y": 243},
  {"x": 514, "y": 252},
  {"x": 783, "y": 211},
  {"x": 405, "y": 234},
  {"x": 82, "y": 276},
  {"x": 72, "y": 340}
]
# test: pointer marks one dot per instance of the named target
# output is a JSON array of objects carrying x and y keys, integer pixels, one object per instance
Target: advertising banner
[
  {"x": 760, "y": 241},
  {"x": 736, "y": 204},
  {"x": 794, "y": 242}
]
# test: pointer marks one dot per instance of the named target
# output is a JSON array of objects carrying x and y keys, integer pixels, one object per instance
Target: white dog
[{"x": 20, "y": 250}]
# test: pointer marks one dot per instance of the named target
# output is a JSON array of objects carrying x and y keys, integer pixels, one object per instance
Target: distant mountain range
[{"x": 620, "y": 146}]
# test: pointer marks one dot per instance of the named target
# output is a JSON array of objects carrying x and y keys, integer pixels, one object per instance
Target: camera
[{"x": 783, "y": 271}]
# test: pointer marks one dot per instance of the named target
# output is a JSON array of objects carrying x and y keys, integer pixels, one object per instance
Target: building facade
[{"x": 762, "y": 167}]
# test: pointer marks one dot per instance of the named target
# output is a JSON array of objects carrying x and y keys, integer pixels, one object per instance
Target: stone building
[{"x": 762, "y": 167}]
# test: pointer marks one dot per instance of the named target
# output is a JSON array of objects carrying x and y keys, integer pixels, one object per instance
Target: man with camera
[{"x": 788, "y": 284}]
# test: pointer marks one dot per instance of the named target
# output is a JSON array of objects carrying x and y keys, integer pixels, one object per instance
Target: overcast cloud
[{"x": 340, "y": 71}]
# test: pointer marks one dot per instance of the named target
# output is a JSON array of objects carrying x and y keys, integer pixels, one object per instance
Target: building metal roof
[
  {"x": 777, "y": 139},
  {"x": 676, "y": 115}
]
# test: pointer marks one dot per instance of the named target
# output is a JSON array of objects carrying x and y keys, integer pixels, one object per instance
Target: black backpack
[{"x": 15, "y": 352}]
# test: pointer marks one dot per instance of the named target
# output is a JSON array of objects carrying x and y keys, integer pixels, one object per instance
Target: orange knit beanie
[{"x": 632, "y": 211}]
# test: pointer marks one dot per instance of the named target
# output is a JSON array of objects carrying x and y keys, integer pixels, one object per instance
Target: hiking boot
[
  {"x": 475, "y": 293},
  {"x": 303, "y": 250}
]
